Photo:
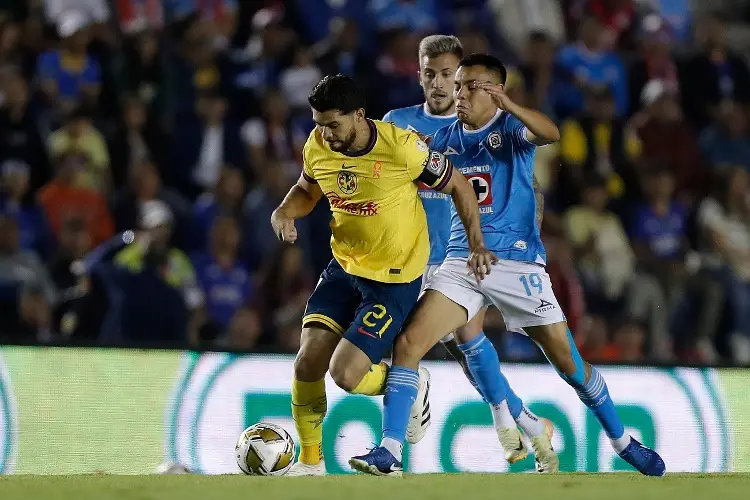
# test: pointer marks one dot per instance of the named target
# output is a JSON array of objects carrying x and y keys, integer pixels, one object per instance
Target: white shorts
[{"x": 521, "y": 291}]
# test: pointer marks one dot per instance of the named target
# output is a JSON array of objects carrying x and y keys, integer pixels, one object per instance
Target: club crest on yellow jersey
[{"x": 347, "y": 182}]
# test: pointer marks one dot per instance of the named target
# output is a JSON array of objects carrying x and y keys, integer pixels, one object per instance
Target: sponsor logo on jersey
[
  {"x": 494, "y": 140},
  {"x": 376, "y": 168},
  {"x": 366, "y": 208},
  {"x": 347, "y": 182},
  {"x": 450, "y": 151}
]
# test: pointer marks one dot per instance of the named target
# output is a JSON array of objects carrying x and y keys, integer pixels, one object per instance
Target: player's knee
[
  {"x": 308, "y": 366},
  {"x": 345, "y": 375}
]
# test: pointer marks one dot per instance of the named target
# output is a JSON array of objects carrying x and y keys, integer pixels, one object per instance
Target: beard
[
  {"x": 345, "y": 145},
  {"x": 441, "y": 107}
]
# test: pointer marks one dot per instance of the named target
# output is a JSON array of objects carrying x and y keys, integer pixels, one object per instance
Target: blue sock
[
  {"x": 594, "y": 394},
  {"x": 400, "y": 392},
  {"x": 484, "y": 365},
  {"x": 515, "y": 405}
]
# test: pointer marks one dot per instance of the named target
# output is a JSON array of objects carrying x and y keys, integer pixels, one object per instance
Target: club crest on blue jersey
[{"x": 494, "y": 140}]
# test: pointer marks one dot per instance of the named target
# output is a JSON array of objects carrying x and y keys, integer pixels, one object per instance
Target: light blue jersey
[
  {"x": 498, "y": 161},
  {"x": 436, "y": 205}
]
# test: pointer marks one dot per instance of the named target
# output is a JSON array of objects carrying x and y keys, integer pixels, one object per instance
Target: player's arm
[
  {"x": 540, "y": 130},
  {"x": 539, "y": 202},
  {"x": 440, "y": 174},
  {"x": 299, "y": 202}
]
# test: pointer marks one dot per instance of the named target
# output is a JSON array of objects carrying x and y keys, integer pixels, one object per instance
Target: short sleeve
[
  {"x": 388, "y": 117},
  {"x": 254, "y": 133},
  {"x": 415, "y": 154},
  {"x": 307, "y": 171}
]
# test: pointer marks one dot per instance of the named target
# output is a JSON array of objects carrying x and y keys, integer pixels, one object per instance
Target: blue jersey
[
  {"x": 437, "y": 205},
  {"x": 498, "y": 161}
]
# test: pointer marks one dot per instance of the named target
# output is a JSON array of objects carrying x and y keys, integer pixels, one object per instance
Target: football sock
[
  {"x": 595, "y": 395},
  {"x": 501, "y": 416},
  {"x": 484, "y": 364},
  {"x": 452, "y": 347},
  {"x": 308, "y": 410},
  {"x": 531, "y": 425},
  {"x": 400, "y": 394},
  {"x": 373, "y": 383}
]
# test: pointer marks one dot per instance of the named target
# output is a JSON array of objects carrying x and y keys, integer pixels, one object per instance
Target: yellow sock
[
  {"x": 308, "y": 410},
  {"x": 373, "y": 383}
]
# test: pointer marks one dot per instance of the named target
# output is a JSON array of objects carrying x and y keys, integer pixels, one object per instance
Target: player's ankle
[{"x": 311, "y": 455}]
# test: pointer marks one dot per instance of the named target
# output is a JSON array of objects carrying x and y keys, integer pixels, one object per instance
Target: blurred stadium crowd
[{"x": 197, "y": 110}]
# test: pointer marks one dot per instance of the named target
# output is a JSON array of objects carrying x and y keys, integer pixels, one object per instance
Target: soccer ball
[{"x": 264, "y": 450}]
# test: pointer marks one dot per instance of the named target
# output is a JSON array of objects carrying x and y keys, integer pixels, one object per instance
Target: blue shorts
[{"x": 367, "y": 313}]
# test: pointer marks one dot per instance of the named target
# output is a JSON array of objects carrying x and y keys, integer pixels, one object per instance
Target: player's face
[
  {"x": 473, "y": 106},
  {"x": 436, "y": 78},
  {"x": 338, "y": 129}
]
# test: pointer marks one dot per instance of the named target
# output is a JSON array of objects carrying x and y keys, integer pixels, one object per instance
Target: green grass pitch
[{"x": 427, "y": 486}]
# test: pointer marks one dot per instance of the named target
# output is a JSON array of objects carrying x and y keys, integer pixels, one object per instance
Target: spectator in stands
[
  {"x": 316, "y": 19},
  {"x": 677, "y": 16},
  {"x": 220, "y": 17},
  {"x": 298, "y": 80},
  {"x": 713, "y": 75},
  {"x": 20, "y": 140},
  {"x": 156, "y": 295},
  {"x": 598, "y": 143},
  {"x": 617, "y": 18},
  {"x": 259, "y": 203},
  {"x": 78, "y": 316},
  {"x": 224, "y": 200},
  {"x": 144, "y": 75},
  {"x": 68, "y": 76},
  {"x": 396, "y": 67},
  {"x": 416, "y": 16},
  {"x": 627, "y": 346},
  {"x": 79, "y": 138},
  {"x": 284, "y": 285},
  {"x": 136, "y": 141},
  {"x": 587, "y": 64},
  {"x": 245, "y": 330},
  {"x": 274, "y": 136},
  {"x": 726, "y": 143},
  {"x": 145, "y": 185},
  {"x": 724, "y": 220},
  {"x": 26, "y": 291},
  {"x": 608, "y": 267},
  {"x": 520, "y": 20},
  {"x": 15, "y": 201},
  {"x": 655, "y": 62},
  {"x": 224, "y": 279},
  {"x": 65, "y": 196},
  {"x": 339, "y": 52},
  {"x": 201, "y": 148},
  {"x": 538, "y": 71},
  {"x": 564, "y": 278},
  {"x": 11, "y": 56},
  {"x": 592, "y": 337},
  {"x": 135, "y": 16},
  {"x": 669, "y": 140}
]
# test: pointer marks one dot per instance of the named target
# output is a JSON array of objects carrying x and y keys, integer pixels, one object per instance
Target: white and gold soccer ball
[{"x": 264, "y": 450}]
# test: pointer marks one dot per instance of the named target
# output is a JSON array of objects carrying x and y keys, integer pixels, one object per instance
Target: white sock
[
  {"x": 531, "y": 425},
  {"x": 620, "y": 443},
  {"x": 393, "y": 446},
  {"x": 501, "y": 416}
]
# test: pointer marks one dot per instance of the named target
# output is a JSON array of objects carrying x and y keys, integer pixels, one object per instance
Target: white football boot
[
  {"x": 303, "y": 469},
  {"x": 547, "y": 461},
  {"x": 512, "y": 443},
  {"x": 419, "y": 417}
]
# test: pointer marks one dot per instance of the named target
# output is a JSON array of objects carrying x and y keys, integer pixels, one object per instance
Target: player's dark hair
[
  {"x": 339, "y": 92},
  {"x": 492, "y": 63}
]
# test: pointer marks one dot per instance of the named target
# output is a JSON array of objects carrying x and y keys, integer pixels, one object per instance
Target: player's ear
[{"x": 360, "y": 114}]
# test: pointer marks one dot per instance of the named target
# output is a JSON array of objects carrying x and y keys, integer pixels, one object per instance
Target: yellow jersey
[{"x": 379, "y": 225}]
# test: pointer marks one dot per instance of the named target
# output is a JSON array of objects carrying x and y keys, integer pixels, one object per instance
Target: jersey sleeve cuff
[
  {"x": 307, "y": 177},
  {"x": 443, "y": 180}
]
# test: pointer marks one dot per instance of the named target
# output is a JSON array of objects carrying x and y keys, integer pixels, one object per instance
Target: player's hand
[
  {"x": 480, "y": 262},
  {"x": 497, "y": 92},
  {"x": 425, "y": 138},
  {"x": 283, "y": 227}
]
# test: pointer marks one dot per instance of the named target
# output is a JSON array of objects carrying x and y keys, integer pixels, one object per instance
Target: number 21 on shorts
[{"x": 530, "y": 281}]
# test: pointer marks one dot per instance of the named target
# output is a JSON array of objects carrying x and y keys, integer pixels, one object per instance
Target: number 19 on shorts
[{"x": 532, "y": 281}]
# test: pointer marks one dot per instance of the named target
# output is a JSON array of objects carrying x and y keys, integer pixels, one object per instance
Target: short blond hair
[{"x": 437, "y": 45}]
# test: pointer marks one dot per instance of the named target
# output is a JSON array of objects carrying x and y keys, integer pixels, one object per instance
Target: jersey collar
[
  {"x": 371, "y": 144},
  {"x": 427, "y": 112},
  {"x": 485, "y": 126}
]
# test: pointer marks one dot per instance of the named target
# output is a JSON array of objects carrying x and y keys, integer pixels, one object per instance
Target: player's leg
[
  {"x": 557, "y": 343},
  {"x": 435, "y": 316},
  {"x": 309, "y": 404},
  {"x": 524, "y": 295},
  {"x": 331, "y": 305}
]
